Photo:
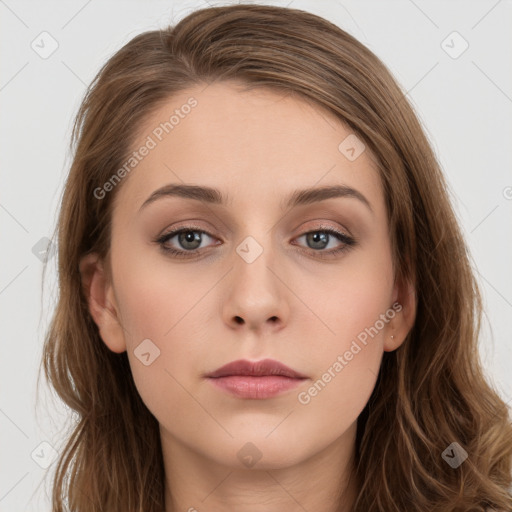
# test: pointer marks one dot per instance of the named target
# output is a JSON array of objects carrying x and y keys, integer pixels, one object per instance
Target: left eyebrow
[
  {"x": 313, "y": 195},
  {"x": 296, "y": 198}
]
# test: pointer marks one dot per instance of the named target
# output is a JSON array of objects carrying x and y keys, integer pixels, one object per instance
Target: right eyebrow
[{"x": 200, "y": 193}]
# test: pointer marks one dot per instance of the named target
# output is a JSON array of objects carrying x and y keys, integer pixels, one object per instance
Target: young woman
[{"x": 266, "y": 302}]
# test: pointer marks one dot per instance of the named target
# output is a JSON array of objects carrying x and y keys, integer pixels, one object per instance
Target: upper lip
[{"x": 256, "y": 369}]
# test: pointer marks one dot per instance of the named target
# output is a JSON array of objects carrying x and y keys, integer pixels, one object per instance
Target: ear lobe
[
  {"x": 97, "y": 288},
  {"x": 405, "y": 315}
]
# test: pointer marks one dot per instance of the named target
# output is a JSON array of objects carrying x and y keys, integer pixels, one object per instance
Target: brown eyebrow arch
[{"x": 297, "y": 198}]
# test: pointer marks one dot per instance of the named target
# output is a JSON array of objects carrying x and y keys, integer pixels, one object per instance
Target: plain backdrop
[{"x": 460, "y": 85}]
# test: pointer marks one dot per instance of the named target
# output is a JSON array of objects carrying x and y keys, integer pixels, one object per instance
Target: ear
[
  {"x": 97, "y": 287},
  {"x": 404, "y": 305}
]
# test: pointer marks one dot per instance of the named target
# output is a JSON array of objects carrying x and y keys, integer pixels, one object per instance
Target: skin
[{"x": 256, "y": 147}]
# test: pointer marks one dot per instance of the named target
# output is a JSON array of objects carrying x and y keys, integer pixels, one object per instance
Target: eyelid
[{"x": 319, "y": 225}]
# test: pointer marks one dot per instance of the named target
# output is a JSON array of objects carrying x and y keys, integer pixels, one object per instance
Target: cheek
[
  {"x": 346, "y": 361},
  {"x": 158, "y": 298},
  {"x": 349, "y": 298},
  {"x": 161, "y": 344},
  {"x": 353, "y": 309},
  {"x": 163, "y": 316}
]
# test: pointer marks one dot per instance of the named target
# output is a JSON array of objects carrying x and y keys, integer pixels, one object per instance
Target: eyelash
[{"x": 348, "y": 242}]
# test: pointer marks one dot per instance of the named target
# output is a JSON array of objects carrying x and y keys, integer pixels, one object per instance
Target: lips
[
  {"x": 255, "y": 380},
  {"x": 265, "y": 367}
]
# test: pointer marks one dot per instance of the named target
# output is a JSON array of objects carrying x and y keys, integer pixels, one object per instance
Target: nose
[{"x": 257, "y": 295}]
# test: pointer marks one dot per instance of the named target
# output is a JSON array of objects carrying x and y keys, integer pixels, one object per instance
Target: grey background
[{"x": 465, "y": 104}]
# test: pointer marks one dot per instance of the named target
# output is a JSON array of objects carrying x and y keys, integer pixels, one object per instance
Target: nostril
[{"x": 239, "y": 320}]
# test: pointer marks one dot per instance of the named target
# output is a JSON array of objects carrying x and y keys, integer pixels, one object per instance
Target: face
[{"x": 306, "y": 280}]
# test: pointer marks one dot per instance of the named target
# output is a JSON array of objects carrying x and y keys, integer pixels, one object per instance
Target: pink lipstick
[{"x": 255, "y": 380}]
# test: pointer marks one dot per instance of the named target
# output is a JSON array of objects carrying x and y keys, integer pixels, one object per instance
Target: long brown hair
[{"x": 430, "y": 392}]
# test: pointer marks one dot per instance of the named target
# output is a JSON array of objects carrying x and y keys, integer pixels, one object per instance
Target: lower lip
[{"x": 255, "y": 387}]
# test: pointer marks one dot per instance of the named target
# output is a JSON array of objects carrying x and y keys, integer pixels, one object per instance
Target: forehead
[{"x": 253, "y": 144}]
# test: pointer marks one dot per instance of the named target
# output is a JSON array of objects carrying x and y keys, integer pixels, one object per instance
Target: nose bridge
[
  {"x": 255, "y": 249},
  {"x": 254, "y": 262}
]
